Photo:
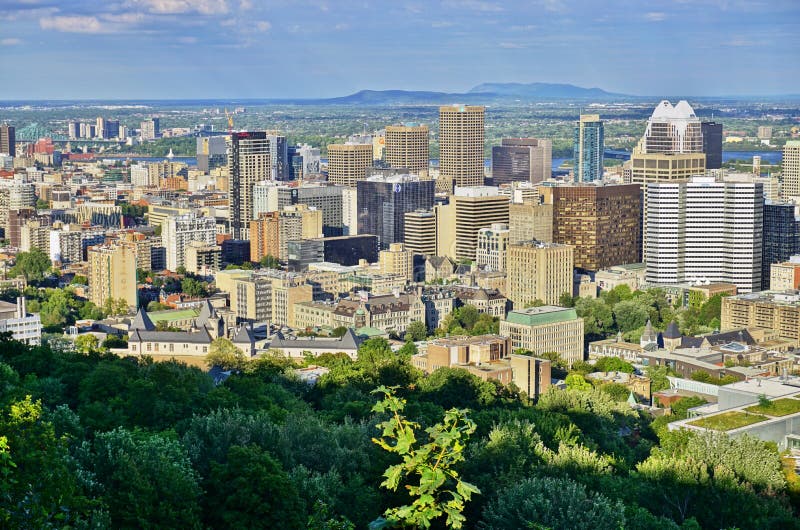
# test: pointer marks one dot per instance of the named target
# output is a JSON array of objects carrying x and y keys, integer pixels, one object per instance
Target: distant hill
[
  {"x": 543, "y": 90},
  {"x": 403, "y": 97}
]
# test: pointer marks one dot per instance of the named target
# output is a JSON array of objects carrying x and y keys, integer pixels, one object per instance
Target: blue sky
[{"x": 138, "y": 49}]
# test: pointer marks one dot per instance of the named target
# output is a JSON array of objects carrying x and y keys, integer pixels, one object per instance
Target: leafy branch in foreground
[{"x": 439, "y": 491}]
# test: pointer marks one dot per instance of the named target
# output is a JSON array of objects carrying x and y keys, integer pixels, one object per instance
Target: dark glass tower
[
  {"x": 383, "y": 202},
  {"x": 712, "y": 145},
  {"x": 781, "y": 237}
]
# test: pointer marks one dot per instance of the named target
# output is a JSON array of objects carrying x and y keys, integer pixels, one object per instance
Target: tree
[
  {"x": 577, "y": 382},
  {"x": 270, "y": 262},
  {"x": 194, "y": 287},
  {"x": 55, "y": 310},
  {"x": 613, "y": 364},
  {"x": 566, "y": 300},
  {"x": 338, "y": 331},
  {"x": 630, "y": 315},
  {"x": 31, "y": 265},
  {"x": 87, "y": 343},
  {"x": 416, "y": 331},
  {"x": 534, "y": 303},
  {"x": 156, "y": 306},
  {"x": 434, "y": 485},
  {"x": 80, "y": 279},
  {"x": 226, "y": 355},
  {"x": 466, "y": 316},
  {"x": 251, "y": 490},
  {"x": 548, "y": 502},
  {"x": 597, "y": 317}
]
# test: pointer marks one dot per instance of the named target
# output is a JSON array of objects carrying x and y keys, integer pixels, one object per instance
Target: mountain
[
  {"x": 404, "y": 97},
  {"x": 543, "y": 90}
]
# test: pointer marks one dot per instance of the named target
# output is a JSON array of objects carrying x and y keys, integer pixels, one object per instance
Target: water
[
  {"x": 767, "y": 157},
  {"x": 189, "y": 160}
]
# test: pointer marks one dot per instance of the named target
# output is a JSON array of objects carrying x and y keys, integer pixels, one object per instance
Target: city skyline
[{"x": 326, "y": 50}]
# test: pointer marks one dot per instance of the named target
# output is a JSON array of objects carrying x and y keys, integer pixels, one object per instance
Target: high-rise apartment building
[
  {"x": 408, "y": 146},
  {"x": 538, "y": 271},
  {"x": 296, "y": 223},
  {"x": 588, "y": 147},
  {"x": 602, "y": 222},
  {"x": 397, "y": 260},
  {"x": 791, "y": 170},
  {"x": 461, "y": 137},
  {"x": 383, "y": 201},
  {"x": 265, "y": 236},
  {"x": 279, "y": 157},
  {"x": 705, "y": 231},
  {"x": 530, "y": 220},
  {"x": 150, "y": 129},
  {"x": 522, "y": 160},
  {"x": 475, "y": 208},
  {"x": 270, "y": 196},
  {"x": 348, "y": 163},
  {"x": 492, "y": 247},
  {"x": 249, "y": 161},
  {"x": 420, "y": 232},
  {"x": 781, "y": 237},
  {"x": 712, "y": 143},
  {"x": 8, "y": 140},
  {"x": 178, "y": 230},
  {"x": 112, "y": 274}
]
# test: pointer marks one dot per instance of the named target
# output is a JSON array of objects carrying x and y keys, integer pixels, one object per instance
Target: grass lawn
[
  {"x": 728, "y": 421},
  {"x": 780, "y": 407}
]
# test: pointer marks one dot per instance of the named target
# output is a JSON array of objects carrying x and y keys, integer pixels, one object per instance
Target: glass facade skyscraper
[
  {"x": 781, "y": 237},
  {"x": 383, "y": 201},
  {"x": 588, "y": 145},
  {"x": 712, "y": 144}
]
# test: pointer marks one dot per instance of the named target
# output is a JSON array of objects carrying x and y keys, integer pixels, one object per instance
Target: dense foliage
[{"x": 90, "y": 440}]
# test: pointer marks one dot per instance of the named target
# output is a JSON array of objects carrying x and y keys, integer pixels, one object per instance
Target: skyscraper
[
  {"x": 587, "y": 151},
  {"x": 673, "y": 130},
  {"x": 112, "y": 274},
  {"x": 791, "y": 170},
  {"x": 279, "y": 157},
  {"x": 8, "y": 141},
  {"x": 705, "y": 231},
  {"x": 781, "y": 237},
  {"x": 420, "y": 232},
  {"x": 461, "y": 137},
  {"x": 179, "y": 230},
  {"x": 603, "y": 223},
  {"x": 348, "y": 163},
  {"x": 712, "y": 143},
  {"x": 248, "y": 162},
  {"x": 383, "y": 201},
  {"x": 522, "y": 160},
  {"x": 538, "y": 271},
  {"x": 475, "y": 208},
  {"x": 408, "y": 146},
  {"x": 150, "y": 129}
]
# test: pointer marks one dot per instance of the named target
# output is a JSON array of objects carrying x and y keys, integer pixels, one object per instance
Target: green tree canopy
[{"x": 31, "y": 265}]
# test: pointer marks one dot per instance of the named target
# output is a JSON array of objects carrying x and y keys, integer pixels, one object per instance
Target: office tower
[
  {"x": 522, "y": 160},
  {"x": 344, "y": 250},
  {"x": 111, "y": 129},
  {"x": 673, "y": 130},
  {"x": 8, "y": 141},
  {"x": 178, "y": 230},
  {"x": 538, "y": 271},
  {"x": 349, "y": 211},
  {"x": 602, "y": 222},
  {"x": 492, "y": 247},
  {"x": 348, "y": 163},
  {"x": 248, "y": 162},
  {"x": 587, "y": 151},
  {"x": 74, "y": 130},
  {"x": 420, "y": 232},
  {"x": 461, "y": 145},
  {"x": 308, "y": 162},
  {"x": 530, "y": 220},
  {"x": 397, "y": 260},
  {"x": 383, "y": 201},
  {"x": 545, "y": 329},
  {"x": 269, "y": 196},
  {"x": 705, "y": 231},
  {"x": 764, "y": 132},
  {"x": 265, "y": 236},
  {"x": 781, "y": 237},
  {"x": 150, "y": 129},
  {"x": 279, "y": 157},
  {"x": 408, "y": 146},
  {"x": 475, "y": 208},
  {"x": 791, "y": 170},
  {"x": 295, "y": 223},
  {"x": 712, "y": 143},
  {"x": 112, "y": 274},
  {"x": 212, "y": 152}
]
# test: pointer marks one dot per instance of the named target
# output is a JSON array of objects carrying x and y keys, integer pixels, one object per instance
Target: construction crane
[{"x": 229, "y": 116}]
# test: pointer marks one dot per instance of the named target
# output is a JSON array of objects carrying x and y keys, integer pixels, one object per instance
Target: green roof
[
  {"x": 537, "y": 316},
  {"x": 172, "y": 315},
  {"x": 368, "y": 331}
]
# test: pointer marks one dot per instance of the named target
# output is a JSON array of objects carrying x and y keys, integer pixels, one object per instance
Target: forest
[{"x": 91, "y": 440}]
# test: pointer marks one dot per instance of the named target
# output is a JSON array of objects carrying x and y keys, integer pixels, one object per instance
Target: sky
[{"x": 192, "y": 49}]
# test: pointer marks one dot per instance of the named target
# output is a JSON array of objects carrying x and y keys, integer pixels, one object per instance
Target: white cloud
[
  {"x": 473, "y": 5},
  {"x": 512, "y": 45},
  {"x": 341, "y": 27},
  {"x": 173, "y": 7},
  {"x": 263, "y": 25},
  {"x": 74, "y": 24},
  {"x": 10, "y": 42},
  {"x": 187, "y": 40},
  {"x": 245, "y": 5},
  {"x": 527, "y": 27},
  {"x": 655, "y": 16},
  {"x": 124, "y": 18}
]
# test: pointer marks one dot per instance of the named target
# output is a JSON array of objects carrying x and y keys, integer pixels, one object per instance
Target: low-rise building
[
  {"x": 24, "y": 327},
  {"x": 546, "y": 329},
  {"x": 299, "y": 348}
]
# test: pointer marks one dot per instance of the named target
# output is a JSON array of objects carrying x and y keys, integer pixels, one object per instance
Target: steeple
[{"x": 142, "y": 322}]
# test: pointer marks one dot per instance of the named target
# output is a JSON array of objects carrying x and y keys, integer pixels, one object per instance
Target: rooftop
[{"x": 537, "y": 316}]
